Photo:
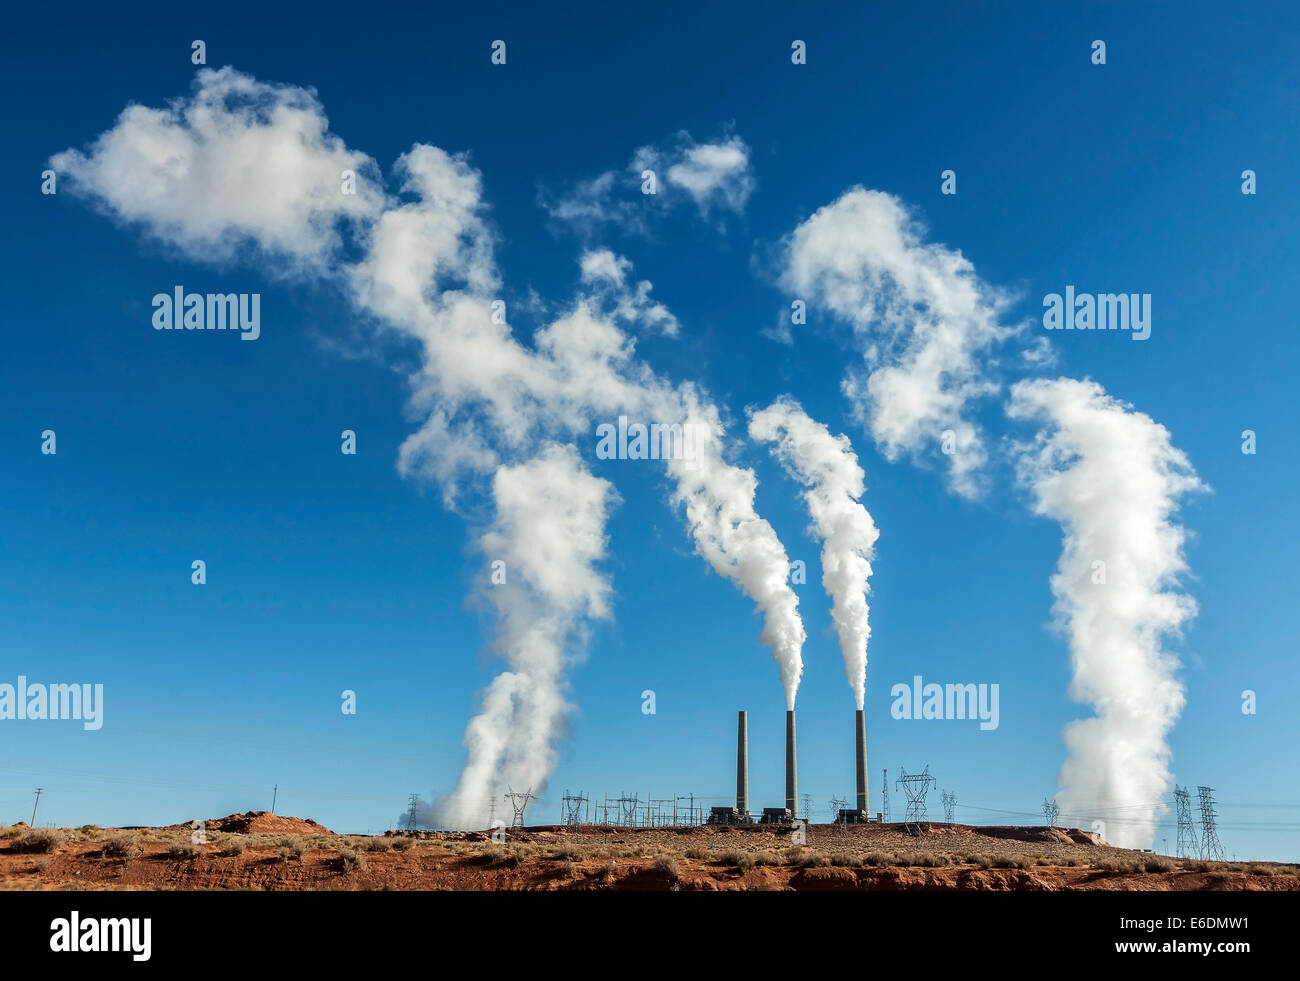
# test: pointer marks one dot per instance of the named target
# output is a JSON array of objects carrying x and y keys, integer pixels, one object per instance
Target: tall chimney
[
  {"x": 860, "y": 729},
  {"x": 742, "y": 765},
  {"x": 791, "y": 778}
]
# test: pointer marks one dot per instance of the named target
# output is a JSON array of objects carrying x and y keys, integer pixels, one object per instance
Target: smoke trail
[
  {"x": 549, "y": 532},
  {"x": 426, "y": 270},
  {"x": 1112, "y": 478},
  {"x": 741, "y": 546},
  {"x": 827, "y": 466},
  {"x": 925, "y": 321}
]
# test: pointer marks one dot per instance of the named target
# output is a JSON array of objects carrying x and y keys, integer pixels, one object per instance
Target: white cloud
[
  {"x": 715, "y": 176},
  {"x": 924, "y": 320},
  {"x": 240, "y": 163}
]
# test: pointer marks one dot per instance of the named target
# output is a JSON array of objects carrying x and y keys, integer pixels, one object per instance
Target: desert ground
[{"x": 262, "y": 851}]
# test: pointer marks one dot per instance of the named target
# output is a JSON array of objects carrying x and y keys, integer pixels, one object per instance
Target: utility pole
[
  {"x": 32, "y": 824},
  {"x": 274, "y": 794}
]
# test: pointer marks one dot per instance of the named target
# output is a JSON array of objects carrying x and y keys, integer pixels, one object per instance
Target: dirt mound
[{"x": 266, "y": 823}]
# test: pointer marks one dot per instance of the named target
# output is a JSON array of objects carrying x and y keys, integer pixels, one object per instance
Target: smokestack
[
  {"x": 742, "y": 766},
  {"x": 791, "y": 778},
  {"x": 860, "y": 730}
]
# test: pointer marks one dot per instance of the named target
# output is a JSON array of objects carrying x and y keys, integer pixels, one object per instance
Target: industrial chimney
[
  {"x": 791, "y": 777},
  {"x": 860, "y": 729},
  {"x": 742, "y": 766}
]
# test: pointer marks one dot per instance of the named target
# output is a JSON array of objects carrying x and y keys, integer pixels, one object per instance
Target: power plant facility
[{"x": 740, "y": 813}]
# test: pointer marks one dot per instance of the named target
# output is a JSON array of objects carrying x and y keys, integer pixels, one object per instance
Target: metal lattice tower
[
  {"x": 806, "y": 799},
  {"x": 949, "y": 807},
  {"x": 838, "y": 804},
  {"x": 572, "y": 807},
  {"x": 884, "y": 796},
  {"x": 1051, "y": 811},
  {"x": 1187, "y": 843},
  {"x": 916, "y": 787},
  {"x": 411, "y": 804},
  {"x": 1210, "y": 847},
  {"x": 627, "y": 809},
  {"x": 519, "y": 802}
]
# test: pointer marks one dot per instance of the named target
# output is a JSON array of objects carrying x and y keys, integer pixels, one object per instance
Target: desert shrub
[
  {"x": 844, "y": 859},
  {"x": 1261, "y": 870},
  {"x": 11, "y": 833},
  {"x": 566, "y": 853},
  {"x": 813, "y": 860},
  {"x": 234, "y": 847},
  {"x": 88, "y": 831},
  {"x": 1010, "y": 862},
  {"x": 291, "y": 846},
  {"x": 123, "y": 844},
  {"x": 606, "y": 872},
  {"x": 767, "y": 858},
  {"x": 378, "y": 845},
  {"x": 668, "y": 865},
  {"x": 507, "y": 857},
  {"x": 878, "y": 858},
  {"x": 350, "y": 860},
  {"x": 403, "y": 844},
  {"x": 793, "y": 855},
  {"x": 184, "y": 849},
  {"x": 1159, "y": 863},
  {"x": 735, "y": 857},
  {"x": 696, "y": 852},
  {"x": 922, "y": 859},
  {"x": 983, "y": 861},
  {"x": 39, "y": 840}
]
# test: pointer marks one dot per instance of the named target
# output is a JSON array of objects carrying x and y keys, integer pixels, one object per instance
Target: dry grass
[
  {"x": 184, "y": 849},
  {"x": 40, "y": 840},
  {"x": 122, "y": 844}
]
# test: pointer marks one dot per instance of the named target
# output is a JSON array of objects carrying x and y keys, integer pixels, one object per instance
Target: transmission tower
[
  {"x": 1210, "y": 847},
  {"x": 915, "y": 786},
  {"x": 949, "y": 807},
  {"x": 806, "y": 799},
  {"x": 411, "y": 804},
  {"x": 1051, "y": 810},
  {"x": 1187, "y": 844},
  {"x": 519, "y": 802},
  {"x": 884, "y": 797},
  {"x": 627, "y": 809},
  {"x": 838, "y": 816},
  {"x": 572, "y": 807}
]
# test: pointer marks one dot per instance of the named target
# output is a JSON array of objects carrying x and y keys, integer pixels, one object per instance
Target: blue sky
[{"x": 329, "y": 572}]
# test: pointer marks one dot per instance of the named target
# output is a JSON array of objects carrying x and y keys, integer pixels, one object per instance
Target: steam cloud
[
  {"x": 1113, "y": 480},
  {"x": 244, "y": 165},
  {"x": 923, "y": 318},
  {"x": 827, "y": 466}
]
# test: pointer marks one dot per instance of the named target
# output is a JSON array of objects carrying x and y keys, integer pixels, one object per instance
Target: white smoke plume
[
  {"x": 924, "y": 320},
  {"x": 1113, "y": 479},
  {"x": 549, "y": 532},
  {"x": 426, "y": 270},
  {"x": 834, "y": 480}
]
